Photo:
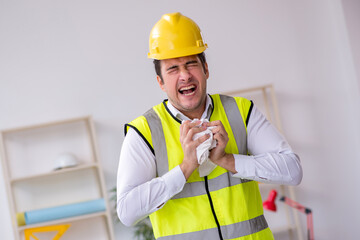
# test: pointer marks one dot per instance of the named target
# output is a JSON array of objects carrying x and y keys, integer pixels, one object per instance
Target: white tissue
[{"x": 203, "y": 150}]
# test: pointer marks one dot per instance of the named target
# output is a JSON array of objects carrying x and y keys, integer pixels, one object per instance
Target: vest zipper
[{"x": 212, "y": 207}]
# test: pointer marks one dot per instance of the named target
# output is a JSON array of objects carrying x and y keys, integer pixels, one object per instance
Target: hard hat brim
[{"x": 176, "y": 53}]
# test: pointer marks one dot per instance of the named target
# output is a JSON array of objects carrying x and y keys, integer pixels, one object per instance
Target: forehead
[{"x": 178, "y": 61}]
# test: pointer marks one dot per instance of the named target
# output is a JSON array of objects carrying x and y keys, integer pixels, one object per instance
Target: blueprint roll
[{"x": 64, "y": 211}]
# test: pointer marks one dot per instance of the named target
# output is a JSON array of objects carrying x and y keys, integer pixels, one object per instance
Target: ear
[
  {"x": 206, "y": 70},
  {"x": 161, "y": 83}
]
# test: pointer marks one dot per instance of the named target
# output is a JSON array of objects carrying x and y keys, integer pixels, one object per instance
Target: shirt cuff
[
  {"x": 245, "y": 166},
  {"x": 174, "y": 180}
]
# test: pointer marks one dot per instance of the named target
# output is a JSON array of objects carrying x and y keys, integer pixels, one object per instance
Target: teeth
[
  {"x": 188, "y": 94},
  {"x": 186, "y": 88}
]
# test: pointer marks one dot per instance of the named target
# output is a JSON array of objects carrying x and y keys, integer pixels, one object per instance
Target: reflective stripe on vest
[
  {"x": 192, "y": 189},
  {"x": 229, "y": 231},
  {"x": 237, "y": 126},
  {"x": 158, "y": 139}
]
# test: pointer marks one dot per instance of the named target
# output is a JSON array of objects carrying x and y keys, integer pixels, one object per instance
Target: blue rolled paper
[{"x": 64, "y": 211}]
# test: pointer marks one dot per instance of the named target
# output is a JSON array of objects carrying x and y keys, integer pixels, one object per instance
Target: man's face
[{"x": 184, "y": 82}]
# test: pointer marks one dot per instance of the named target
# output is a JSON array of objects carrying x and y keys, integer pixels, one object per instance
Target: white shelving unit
[
  {"x": 28, "y": 155},
  {"x": 286, "y": 219}
]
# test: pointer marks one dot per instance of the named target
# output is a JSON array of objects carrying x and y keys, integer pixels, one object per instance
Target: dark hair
[{"x": 158, "y": 67}]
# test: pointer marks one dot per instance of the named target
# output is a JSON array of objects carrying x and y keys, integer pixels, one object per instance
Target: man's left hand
[{"x": 218, "y": 154}]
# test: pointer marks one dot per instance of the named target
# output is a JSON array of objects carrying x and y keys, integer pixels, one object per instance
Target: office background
[{"x": 63, "y": 59}]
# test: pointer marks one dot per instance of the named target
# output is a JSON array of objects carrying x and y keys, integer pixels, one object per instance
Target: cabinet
[
  {"x": 285, "y": 223},
  {"x": 30, "y": 155}
]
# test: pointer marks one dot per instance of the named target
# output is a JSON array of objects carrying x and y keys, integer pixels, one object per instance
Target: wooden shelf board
[
  {"x": 64, "y": 220},
  {"x": 55, "y": 172},
  {"x": 41, "y": 125},
  {"x": 253, "y": 89}
]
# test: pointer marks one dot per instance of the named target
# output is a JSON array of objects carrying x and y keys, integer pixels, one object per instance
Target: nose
[{"x": 184, "y": 74}]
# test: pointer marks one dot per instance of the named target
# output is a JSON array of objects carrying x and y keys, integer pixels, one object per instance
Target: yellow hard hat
[{"x": 175, "y": 35}]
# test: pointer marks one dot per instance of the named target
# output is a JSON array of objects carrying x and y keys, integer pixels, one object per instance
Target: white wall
[
  {"x": 352, "y": 17},
  {"x": 62, "y": 59}
]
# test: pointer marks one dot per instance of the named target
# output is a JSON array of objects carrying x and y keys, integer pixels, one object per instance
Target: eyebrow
[
  {"x": 191, "y": 62},
  {"x": 187, "y": 63}
]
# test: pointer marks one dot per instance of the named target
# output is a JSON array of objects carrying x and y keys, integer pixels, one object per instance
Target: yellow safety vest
[{"x": 217, "y": 206}]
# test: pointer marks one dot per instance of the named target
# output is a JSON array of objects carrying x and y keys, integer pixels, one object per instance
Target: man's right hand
[{"x": 187, "y": 131}]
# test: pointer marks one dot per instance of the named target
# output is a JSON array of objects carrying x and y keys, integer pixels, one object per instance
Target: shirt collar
[{"x": 206, "y": 114}]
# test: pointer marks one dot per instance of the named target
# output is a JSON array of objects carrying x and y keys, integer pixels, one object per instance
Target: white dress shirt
[{"x": 140, "y": 192}]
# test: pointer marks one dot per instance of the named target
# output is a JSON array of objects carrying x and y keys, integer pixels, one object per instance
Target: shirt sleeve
[
  {"x": 139, "y": 191},
  {"x": 271, "y": 158}
]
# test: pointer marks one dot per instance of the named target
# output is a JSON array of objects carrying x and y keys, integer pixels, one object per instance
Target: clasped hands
[{"x": 217, "y": 155}]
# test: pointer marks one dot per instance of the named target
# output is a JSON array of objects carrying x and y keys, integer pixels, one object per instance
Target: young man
[{"x": 159, "y": 168}]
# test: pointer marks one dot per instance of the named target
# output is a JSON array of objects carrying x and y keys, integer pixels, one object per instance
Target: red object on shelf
[{"x": 269, "y": 204}]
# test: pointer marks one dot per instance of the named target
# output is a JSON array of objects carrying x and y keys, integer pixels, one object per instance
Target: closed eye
[
  {"x": 193, "y": 63},
  {"x": 172, "y": 68}
]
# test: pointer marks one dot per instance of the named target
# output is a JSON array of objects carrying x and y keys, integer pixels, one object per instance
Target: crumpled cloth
[{"x": 203, "y": 150}]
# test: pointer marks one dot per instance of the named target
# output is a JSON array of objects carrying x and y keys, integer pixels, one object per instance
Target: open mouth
[{"x": 189, "y": 90}]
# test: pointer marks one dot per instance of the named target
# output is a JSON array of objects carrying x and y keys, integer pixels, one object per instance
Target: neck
[
  {"x": 193, "y": 115},
  {"x": 196, "y": 113}
]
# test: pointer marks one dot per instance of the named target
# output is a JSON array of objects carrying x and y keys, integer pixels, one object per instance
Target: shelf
[
  {"x": 286, "y": 218},
  {"x": 44, "y": 125},
  {"x": 29, "y": 155},
  {"x": 55, "y": 172},
  {"x": 65, "y": 220}
]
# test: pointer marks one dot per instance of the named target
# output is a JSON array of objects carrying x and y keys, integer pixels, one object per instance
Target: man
[{"x": 159, "y": 169}]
